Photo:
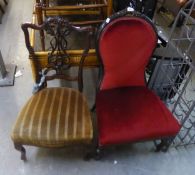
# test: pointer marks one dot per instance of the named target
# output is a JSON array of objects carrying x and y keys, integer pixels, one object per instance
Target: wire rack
[{"x": 173, "y": 77}]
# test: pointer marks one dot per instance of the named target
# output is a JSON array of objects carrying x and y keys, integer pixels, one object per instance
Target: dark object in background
[
  {"x": 120, "y": 5},
  {"x": 146, "y": 7},
  {"x": 182, "y": 17},
  {"x": 176, "y": 70},
  {"x": 149, "y": 7}
]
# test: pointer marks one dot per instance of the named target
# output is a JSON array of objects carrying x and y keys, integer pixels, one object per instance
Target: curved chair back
[
  {"x": 125, "y": 44},
  {"x": 59, "y": 59}
]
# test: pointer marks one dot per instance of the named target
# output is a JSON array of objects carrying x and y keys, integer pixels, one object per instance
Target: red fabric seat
[{"x": 132, "y": 114}]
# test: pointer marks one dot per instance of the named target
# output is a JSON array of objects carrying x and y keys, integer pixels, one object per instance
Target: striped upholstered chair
[{"x": 54, "y": 116}]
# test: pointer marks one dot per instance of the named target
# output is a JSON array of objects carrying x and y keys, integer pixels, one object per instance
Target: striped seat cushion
[{"x": 54, "y": 117}]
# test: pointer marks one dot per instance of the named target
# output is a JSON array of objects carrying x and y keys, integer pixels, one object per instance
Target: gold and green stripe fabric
[{"x": 54, "y": 117}]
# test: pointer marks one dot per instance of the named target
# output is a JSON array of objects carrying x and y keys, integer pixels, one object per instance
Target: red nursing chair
[{"x": 127, "y": 110}]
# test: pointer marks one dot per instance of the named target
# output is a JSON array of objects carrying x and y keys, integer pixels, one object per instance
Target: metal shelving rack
[{"x": 173, "y": 78}]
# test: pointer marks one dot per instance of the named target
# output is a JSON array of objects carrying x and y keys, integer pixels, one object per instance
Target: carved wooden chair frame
[
  {"x": 58, "y": 58},
  {"x": 42, "y": 56}
]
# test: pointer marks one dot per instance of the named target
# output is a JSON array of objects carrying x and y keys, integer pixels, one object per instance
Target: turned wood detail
[{"x": 58, "y": 56}]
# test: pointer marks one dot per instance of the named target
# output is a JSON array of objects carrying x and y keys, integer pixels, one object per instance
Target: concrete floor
[{"x": 139, "y": 159}]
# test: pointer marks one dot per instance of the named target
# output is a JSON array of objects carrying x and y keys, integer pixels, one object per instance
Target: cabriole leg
[{"x": 20, "y": 148}]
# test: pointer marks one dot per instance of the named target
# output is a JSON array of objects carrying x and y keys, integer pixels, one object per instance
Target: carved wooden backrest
[{"x": 58, "y": 58}]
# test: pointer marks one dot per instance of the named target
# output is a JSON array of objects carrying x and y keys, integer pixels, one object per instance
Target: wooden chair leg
[
  {"x": 1, "y": 9},
  {"x": 5, "y": 1},
  {"x": 93, "y": 108},
  {"x": 159, "y": 146},
  {"x": 96, "y": 154},
  {"x": 164, "y": 145},
  {"x": 20, "y": 148}
]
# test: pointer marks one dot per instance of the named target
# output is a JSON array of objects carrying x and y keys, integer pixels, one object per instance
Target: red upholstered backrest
[{"x": 125, "y": 47}]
